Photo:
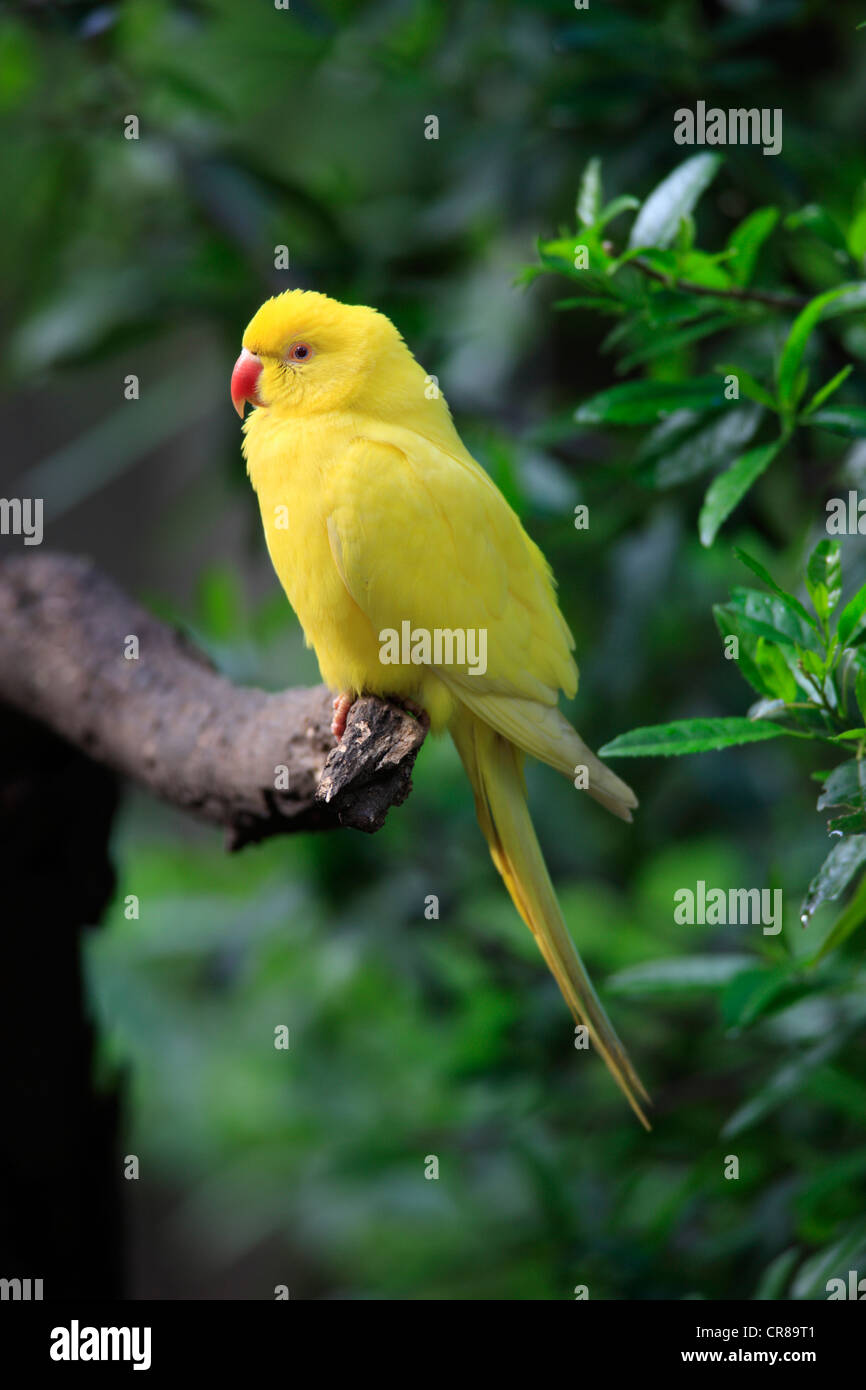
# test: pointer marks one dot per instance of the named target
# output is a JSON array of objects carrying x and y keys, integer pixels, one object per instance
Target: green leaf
[
  {"x": 787, "y": 1081},
  {"x": 624, "y": 203},
  {"x": 670, "y": 432},
  {"x": 768, "y": 678},
  {"x": 844, "y": 1093},
  {"x": 852, "y": 620},
  {"x": 775, "y": 1277},
  {"x": 845, "y": 785},
  {"x": 788, "y": 599},
  {"x": 776, "y": 672},
  {"x": 800, "y": 384},
  {"x": 856, "y": 238},
  {"x": 828, "y": 388},
  {"x": 795, "y": 344},
  {"x": 685, "y": 237},
  {"x": 667, "y": 307},
  {"x": 664, "y": 344},
  {"x": 812, "y": 664},
  {"x": 760, "y": 614},
  {"x": 797, "y": 716},
  {"x": 589, "y": 195},
  {"x": 848, "y": 420},
  {"x": 824, "y": 578},
  {"x": 746, "y": 241},
  {"x": 559, "y": 256},
  {"x": 643, "y": 402},
  {"x": 817, "y": 220},
  {"x": 663, "y": 261},
  {"x": 834, "y": 1262},
  {"x": 690, "y": 736},
  {"x": 772, "y": 617},
  {"x": 852, "y": 917},
  {"x": 659, "y": 218},
  {"x": 756, "y": 992},
  {"x": 749, "y": 386},
  {"x": 680, "y": 974},
  {"x": 844, "y": 1173},
  {"x": 729, "y": 625},
  {"x": 730, "y": 487},
  {"x": 851, "y": 300},
  {"x": 834, "y": 875},
  {"x": 854, "y": 824},
  {"x": 700, "y": 269},
  {"x": 705, "y": 448},
  {"x": 617, "y": 334}
]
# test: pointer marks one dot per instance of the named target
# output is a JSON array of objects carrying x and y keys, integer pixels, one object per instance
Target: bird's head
[{"x": 305, "y": 353}]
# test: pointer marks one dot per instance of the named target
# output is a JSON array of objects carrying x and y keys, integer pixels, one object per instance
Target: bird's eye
[{"x": 300, "y": 352}]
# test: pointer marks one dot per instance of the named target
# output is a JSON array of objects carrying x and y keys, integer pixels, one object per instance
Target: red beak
[{"x": 245, "y": 376}]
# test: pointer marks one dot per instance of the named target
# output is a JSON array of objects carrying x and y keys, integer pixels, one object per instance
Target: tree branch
[
  {"x": 735, "y": 292},
  {"x": 170, "y": 722}
]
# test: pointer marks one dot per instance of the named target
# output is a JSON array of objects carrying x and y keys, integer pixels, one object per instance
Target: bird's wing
[{"x": 421, "y": 536}]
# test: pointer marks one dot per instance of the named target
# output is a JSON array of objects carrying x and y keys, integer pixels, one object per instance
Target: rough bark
[{"x": 170, "y": 722}]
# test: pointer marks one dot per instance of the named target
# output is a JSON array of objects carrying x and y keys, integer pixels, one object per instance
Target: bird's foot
[{"x": 342, "y": 704}]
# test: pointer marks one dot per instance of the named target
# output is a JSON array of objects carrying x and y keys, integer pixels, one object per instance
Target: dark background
[{"x": 410, "y": 1037}]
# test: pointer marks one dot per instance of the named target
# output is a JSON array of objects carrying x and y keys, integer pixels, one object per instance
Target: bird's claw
[{"x": 342, "y": 704}]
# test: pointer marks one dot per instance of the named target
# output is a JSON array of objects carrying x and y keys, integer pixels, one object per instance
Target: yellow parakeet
[{"x": 380, "y": 525}]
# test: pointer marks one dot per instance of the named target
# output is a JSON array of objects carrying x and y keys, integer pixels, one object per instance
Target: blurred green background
[{"x": 410, "y": 1037}]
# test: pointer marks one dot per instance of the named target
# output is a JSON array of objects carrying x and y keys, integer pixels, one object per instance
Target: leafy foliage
[
  {"x": 810, "y": 672},
  {"x": 669, "y": 295}
]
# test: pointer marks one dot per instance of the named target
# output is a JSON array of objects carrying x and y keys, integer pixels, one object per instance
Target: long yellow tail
[{"x": 495, "y": 769}]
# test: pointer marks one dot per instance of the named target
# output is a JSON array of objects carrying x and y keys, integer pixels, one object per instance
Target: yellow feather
[{"x": 376, "y": 517}]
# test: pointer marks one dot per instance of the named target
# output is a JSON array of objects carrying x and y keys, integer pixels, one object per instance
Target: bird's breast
[{"x": 289, "y": 469}]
